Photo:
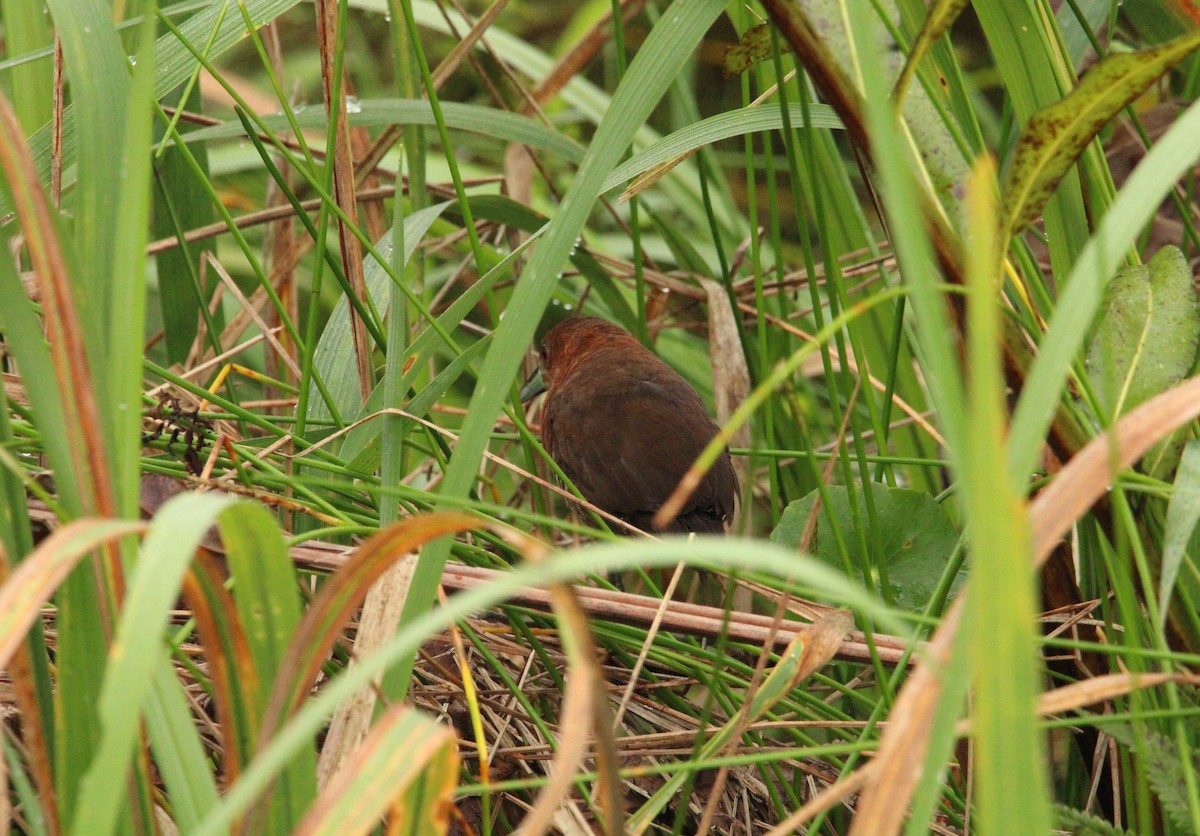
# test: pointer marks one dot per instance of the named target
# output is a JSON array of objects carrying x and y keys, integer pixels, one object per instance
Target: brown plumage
[{"x": 625, "y": 427}]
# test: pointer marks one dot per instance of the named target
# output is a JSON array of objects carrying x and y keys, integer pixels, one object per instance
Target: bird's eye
[{"x": 543, "y": 355}]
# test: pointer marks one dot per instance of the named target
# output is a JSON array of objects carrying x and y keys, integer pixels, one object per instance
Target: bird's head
[{"x": 568, "y": 345}]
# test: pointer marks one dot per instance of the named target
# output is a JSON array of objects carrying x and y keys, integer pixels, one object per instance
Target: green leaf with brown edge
[
  {"x": 269, "y": 608},
  {"x": 136, "y": 652},
  {"x": 233, "y": 678},
  {"x": 1145, "y": 341},
  {"x": 84, "y": 475},
  {"x": 39, "y": 575},
  {"x": 1055, "y": 137},
  {"x": 407, "y": 767}
]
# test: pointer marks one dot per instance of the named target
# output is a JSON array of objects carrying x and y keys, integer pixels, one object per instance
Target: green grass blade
[
  {"x": 175, "y": 63},
  {"x": 1006, "y": 669},
  {"x": 268, "y": 604},
  {"x": 137, "y": 653},
  {"x": 123, "y": 282},
  {"x": 178, "y": 751},
  {"x": 725, "y": 125},
  {"x": 378, "y": 112}
]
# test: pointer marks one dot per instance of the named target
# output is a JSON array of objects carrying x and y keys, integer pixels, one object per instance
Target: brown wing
[{"x": 626, "y": 442}]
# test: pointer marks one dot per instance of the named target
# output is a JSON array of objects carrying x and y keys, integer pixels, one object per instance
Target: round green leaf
[{"x": 917, "y": 537}]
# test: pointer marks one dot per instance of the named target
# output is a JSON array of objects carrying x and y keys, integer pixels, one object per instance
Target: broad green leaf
[
  {"x": 918, "y": 537},
  {"x": 1146, "y": 339},
  {"x": 1056, "y": 135}
]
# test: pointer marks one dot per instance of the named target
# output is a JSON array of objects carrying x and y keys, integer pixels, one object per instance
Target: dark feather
[{"x": 625, "y": 427}]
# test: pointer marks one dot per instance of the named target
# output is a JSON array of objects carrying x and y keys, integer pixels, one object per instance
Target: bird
[{"x": 624, "y": 427}]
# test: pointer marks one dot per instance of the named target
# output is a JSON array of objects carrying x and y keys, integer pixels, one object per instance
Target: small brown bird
[{"x": 625, "y": 427}]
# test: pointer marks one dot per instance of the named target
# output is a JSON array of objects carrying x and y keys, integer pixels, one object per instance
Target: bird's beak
[{"x": 533, "y": 387}]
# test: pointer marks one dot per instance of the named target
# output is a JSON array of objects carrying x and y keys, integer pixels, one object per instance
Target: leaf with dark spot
[
  {"x": 754, "y": 47},
  {"x": 1056, "y": 135}
]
